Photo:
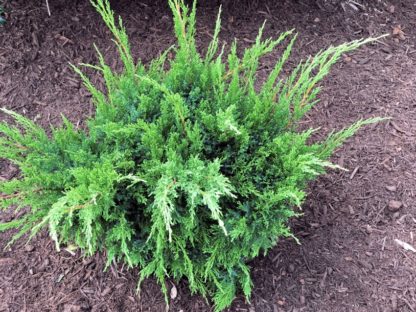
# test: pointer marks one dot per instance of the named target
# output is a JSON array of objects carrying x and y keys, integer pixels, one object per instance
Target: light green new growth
[{"x": 189, "y": 168}]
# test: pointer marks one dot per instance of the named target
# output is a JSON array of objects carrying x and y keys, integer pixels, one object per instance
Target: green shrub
[{"x": 189, "y": 168}]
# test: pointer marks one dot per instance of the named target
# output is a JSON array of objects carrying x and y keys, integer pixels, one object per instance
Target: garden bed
[{"x": 348, "y": 259}]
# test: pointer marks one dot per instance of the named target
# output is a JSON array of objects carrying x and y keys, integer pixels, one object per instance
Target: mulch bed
[{"x": 348, "y": 259}]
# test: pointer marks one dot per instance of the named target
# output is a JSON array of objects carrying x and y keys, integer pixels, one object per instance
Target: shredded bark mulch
[{"x": 348, "y": 259}]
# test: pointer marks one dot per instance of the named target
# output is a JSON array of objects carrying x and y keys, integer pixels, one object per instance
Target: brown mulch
[{"x": 348, "y": 259}]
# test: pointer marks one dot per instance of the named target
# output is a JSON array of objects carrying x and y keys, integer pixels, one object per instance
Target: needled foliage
[
  {"x": 2, "y": 19},
  {"x": 189, "y": 168}
]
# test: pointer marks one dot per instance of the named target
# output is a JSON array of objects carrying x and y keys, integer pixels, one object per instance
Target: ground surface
[{"x": 348, "y": 259}]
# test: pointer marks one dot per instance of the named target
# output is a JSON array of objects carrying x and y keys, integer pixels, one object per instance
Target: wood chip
[
  {"x": 347, "y": 59},
  {"x": 354, "y": 172},
  {"x": 248, "y": 40},
  {"x": 365, "y": 264},
  {"x": 395, "y": 205},
  {"x": 71, "y": 308},
  {"x": 391, "y": 188},
  {"x": 106, "y": 291},
  {"x": 6, "y": 261},
  {"x": 29, "y": 248},
  {"x": 398, "y": 129},
  {"x": 394, "y": 302}
]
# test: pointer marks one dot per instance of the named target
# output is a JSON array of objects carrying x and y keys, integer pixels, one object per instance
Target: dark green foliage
[
  {"x": 187, "y": 172},
  {"x": 2, "y": 19}
]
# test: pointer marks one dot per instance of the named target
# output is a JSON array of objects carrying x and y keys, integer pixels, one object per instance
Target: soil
[{"x": 348, "y": 258}]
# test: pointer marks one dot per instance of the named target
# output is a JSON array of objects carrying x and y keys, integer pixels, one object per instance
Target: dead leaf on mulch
[
  {"x": 398, "y": 32},
  {"x": 173, "y": 292}
]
